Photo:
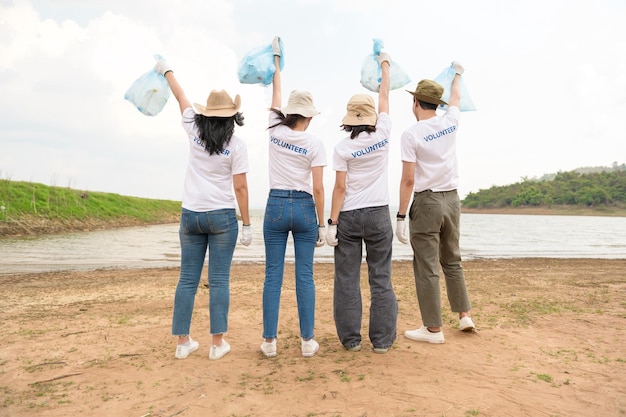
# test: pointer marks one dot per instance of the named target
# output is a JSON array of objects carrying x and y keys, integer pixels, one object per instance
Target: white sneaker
[
  {"x": 309, "y": 347},
  {"x": 466, "y": 324},
  {"x": 182, "y": 351},
  {"x": 424, "y": 335},
  {"x": 269, "y": 349},
  {"x": 218, "y": 352}
]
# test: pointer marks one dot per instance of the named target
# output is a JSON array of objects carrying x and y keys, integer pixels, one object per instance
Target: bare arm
[
  {"x": 177, "y": 91},
  {"x": 276, "y": 85},
  {"x": 318, "y": 193},
  {"x": 406, "y": 186},
  {"x": 339, "y": 193},
  {"x": 240, "y": 184},
  {"x": 383, "y": 92},
  {"x": 455, "y": 91}
]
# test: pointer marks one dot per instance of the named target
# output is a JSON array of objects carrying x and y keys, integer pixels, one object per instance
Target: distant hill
[{"x": 596, "y": 187}]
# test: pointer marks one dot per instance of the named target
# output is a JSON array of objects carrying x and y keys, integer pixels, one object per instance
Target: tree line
[{"x": 584, "y": 187}]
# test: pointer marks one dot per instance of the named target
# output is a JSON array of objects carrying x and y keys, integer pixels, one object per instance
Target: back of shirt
[
  {"x": 365, "y": 160},
  {"x": 431, "y": 145},
  {"x": 292, "y": 154}
]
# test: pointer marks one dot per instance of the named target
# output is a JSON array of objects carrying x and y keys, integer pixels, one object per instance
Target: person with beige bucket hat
[
  {"x": 295, "y": 205},
  {"x": 430, "y": 174},
  {"x": 218, "y": 163},
  {"x": 360, "y": 214}
]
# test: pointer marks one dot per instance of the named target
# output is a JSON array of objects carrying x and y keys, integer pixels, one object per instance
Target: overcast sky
[{"x": 548, "y": 78}]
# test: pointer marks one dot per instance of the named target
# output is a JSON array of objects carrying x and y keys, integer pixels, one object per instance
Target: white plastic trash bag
[
  {"x": 371, "y": 72},
  {"x": 257, "y": 66},
  {"x": 149, "y": 93},
  {"x": 445, "y": 80}
]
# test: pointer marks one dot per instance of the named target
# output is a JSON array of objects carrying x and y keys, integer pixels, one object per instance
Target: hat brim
[
  {"x": 427, "y": 99},
  {"x": 352, "y": 120},
  {"x": 302, "y": 111},
  {"x": 220, "y": 112}
]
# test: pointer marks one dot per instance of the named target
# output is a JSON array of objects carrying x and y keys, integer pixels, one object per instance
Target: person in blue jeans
[
  {"x": 295, "y": 204},
  {"x": 218, "y": 163},
  {"x": 360, "y": 214}
]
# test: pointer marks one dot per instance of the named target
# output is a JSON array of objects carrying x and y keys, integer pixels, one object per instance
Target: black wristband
[{"x": 400, "y": 216}]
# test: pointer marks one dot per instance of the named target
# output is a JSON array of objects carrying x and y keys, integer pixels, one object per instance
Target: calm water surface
[{"x": 482, "y": 236}]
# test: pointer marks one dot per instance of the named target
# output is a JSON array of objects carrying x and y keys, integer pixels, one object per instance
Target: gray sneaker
[{"x": 424, "y": 335}]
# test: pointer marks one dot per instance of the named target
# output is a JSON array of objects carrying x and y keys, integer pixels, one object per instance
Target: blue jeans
[
  {"x": 217, "y": 230},
  {"x": 372, "y": 226},
  {"x": 289, "y": 211}
]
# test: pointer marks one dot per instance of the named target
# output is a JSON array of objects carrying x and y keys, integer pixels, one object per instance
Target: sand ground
[{"x": 551, "y": 341}]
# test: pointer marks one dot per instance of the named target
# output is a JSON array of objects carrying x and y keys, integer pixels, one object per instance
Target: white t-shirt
[
  {"x": 209, "y": 178},
  {"x": 292, "y": 154},
  {"x": 365, "y": 160},
  {"x": 431, "y": 145}
]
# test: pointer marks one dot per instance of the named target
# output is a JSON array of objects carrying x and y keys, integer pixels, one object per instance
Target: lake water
[{"x": 482, "y": 236}]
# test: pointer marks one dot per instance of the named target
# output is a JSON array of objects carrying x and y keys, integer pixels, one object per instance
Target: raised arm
[
  {"x": 164, "y": 69},
  {"x": 455, "y": 88},
  {"x": 276, "y": 85},
  {"x": 383, "y": 91}
]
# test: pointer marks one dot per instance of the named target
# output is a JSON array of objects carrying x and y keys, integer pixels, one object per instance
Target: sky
[{"x": 548, "y": 79}]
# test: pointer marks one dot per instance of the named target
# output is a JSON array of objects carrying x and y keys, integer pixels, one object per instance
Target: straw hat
[{"x": 219, "y": 104}]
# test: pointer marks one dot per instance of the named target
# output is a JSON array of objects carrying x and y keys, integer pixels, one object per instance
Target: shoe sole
[
  {"x": 269, "y": 355},
  {"x": 381, "y": 350},
  {"x": 468, "y": 329},
  {"x": 356, "y": 348}
]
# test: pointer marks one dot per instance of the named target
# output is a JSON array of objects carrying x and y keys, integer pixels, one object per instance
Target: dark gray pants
[
  {"x": 434, "y": 228},
  {"x": 371, "y": 225}
]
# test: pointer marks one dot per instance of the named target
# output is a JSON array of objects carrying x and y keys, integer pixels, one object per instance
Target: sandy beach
[{"x": 551, "y": 341}]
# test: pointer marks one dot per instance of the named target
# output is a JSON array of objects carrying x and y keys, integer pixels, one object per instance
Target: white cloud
[{"x": 548, "y": 79}]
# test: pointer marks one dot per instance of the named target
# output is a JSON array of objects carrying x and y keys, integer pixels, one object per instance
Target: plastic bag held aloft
[
  {"x": 445, "y": 80},
  {"x": 257, "y": 66},
  {"x": 149, "y": 93},
  {"x": 371, "y": 72}
]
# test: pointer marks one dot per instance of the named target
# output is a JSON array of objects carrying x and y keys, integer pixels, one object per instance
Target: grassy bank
[{"x": 32, "y": 208}]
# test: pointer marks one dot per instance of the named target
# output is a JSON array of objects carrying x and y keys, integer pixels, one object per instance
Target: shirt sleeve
[{"x": 407, "y": 147}]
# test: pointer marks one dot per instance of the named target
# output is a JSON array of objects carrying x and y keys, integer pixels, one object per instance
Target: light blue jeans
[
  {"x": 216, "y": 230},
  {"x": 289, "y": 211}
]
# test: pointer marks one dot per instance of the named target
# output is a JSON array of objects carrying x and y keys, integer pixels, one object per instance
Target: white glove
[
  {"x": 276, "y": 46},
  {"x": 161, "y": 65},
  {"x": 384, "y": 56},
  {"x": 401, "y": 231},
  {"x": 321, "y": 236},
  {"x": 331, "y": 236},
  {"x": 246, "y": 235},
  {"x": 457, "y": 67}
]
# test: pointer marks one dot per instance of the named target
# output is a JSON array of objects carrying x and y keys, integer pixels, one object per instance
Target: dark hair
[
  {"x": 427, "y": 106},
  {"x": 356, "y": 130},
  {"x": 289, "y": 120},
  {"x": 215, "y": 132}
]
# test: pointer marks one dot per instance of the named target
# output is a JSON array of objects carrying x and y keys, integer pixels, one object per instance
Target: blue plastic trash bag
[
  {"x": 445, "y": 80},
  {"x": 257, "y": 66},
  {"x": 371, "y": 72},
  {"x": 149, "y": 93}
]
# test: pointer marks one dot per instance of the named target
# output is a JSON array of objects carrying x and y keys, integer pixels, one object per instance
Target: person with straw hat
[
  {"x": 218, "y": 163},
  {"x": 360, "y": 214},
  {"x": 430, "y": 173},
  {"x": 295, "y": 204}
]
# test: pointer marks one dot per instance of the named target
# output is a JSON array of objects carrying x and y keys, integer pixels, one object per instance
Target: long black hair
[
  {"x": 289, "y": 120},
  {"x": 215, "y": 132},
  {"x": 356, "y": 130}
]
